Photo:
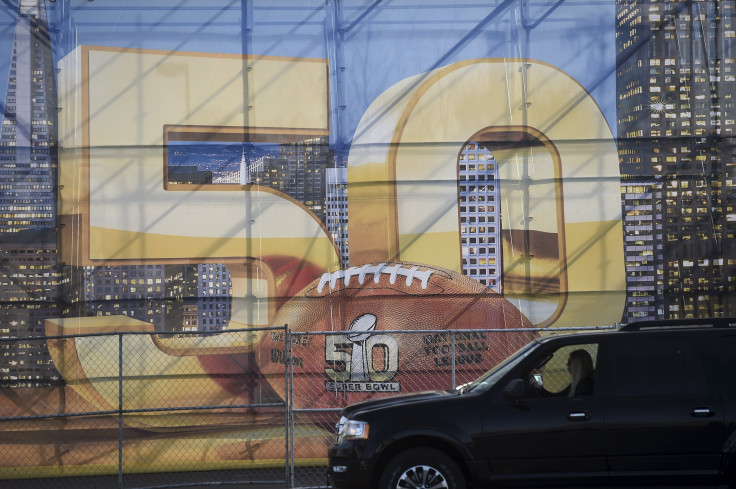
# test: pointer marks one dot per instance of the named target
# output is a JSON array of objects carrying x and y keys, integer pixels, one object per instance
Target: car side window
[
  {"x": 569, "y": 371},
  {"x": 656, "y": 367}
]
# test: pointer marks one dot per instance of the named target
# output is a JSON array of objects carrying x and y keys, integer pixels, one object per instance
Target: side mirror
[{"x": 515, "y": 390}]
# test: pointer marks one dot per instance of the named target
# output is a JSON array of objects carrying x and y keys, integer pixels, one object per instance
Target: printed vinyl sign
[
  {"x": 127, "y": 196},
  {"x": 394, "y": 196}
]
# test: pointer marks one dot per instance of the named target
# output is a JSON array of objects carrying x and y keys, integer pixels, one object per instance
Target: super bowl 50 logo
[{"x": 362, "y": 360}]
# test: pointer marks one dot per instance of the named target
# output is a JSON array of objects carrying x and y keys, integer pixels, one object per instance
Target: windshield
[{"x": 487, "y": 380}]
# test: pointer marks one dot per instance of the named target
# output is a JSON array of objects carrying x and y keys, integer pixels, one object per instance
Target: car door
[
  {"x": 662, "y": 417},
  {"x": 719, "y": 349},
  {"x": 547, "y": 432}
]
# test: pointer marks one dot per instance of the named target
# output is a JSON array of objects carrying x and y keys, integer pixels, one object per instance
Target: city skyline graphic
[
  {"x": 675, "y": 125},
  {"x": 222, "y": 221}
]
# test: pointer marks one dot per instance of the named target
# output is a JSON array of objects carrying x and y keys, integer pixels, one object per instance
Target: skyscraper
[
  {"x": 30, "y": 279},
  {"x": 200, "y": 297},
  {"x": 676, "y": 84},
  {"x": 336, "y": 210},
  {"x": 480, "y": 216},
  {"x": 214, "y": 293},
  {"x": 299, "y": 172},
  {"x": 136, "y": 291},
  {"x": 305, "y": 179},
  {"x": 28, "y": 140},
  {"x": 643, "y": 249},
  {"x": 29, "y": 289}
]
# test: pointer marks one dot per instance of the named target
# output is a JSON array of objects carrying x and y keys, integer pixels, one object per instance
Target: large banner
[{"x": 347, "y": 167}]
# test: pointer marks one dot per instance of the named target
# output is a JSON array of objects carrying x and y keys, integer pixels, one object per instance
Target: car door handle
[
  {"x": 702, "y": 413},
  {"x": 578, "y": 416}
]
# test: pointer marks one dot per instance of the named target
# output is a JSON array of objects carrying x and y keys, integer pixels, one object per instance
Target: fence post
[
  {"x": 287, "y": 405},
  {"x": 452, "y": 344},
  {"x": 290, "y": 405},
  {"x": 289, "y": 408},
  {"x": 120, "y": 410}
]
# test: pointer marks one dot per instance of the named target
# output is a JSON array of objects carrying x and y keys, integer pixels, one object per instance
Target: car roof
[
  {"x": 664, "y": 325},
  {"x": 681, "y": 324}
]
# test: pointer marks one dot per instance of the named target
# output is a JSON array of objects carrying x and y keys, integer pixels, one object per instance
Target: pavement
[
  {"x": 309, "y": 477},
  {"x": 261, "y": 479}
]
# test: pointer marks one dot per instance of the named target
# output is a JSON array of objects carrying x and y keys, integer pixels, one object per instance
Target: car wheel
[{"x": 422, "y": 468}]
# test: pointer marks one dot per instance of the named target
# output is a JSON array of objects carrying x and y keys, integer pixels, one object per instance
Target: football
[{"x": 389, "y": 328}]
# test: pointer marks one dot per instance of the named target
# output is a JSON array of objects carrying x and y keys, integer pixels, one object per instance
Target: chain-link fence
[
  {"x": 143, "y": 410},
  {"x": 140, "y": 403}
]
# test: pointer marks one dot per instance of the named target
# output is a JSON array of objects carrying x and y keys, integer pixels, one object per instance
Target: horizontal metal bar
[
  {"x": 64, "y": 415},
  {"x": 316, "y": 410},
  {"x": 139, "y": 411},
  {"x": 201, "y": 408},
  {"x": 297, "y": 333},
  {"x": 161, "y": 376},
  {"x": 222, "y": 483},
  {"x": 141, "y": 333},
  {"x": 429, "y": 331}
]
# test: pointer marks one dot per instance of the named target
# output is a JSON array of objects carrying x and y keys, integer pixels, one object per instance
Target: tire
[{"x": 425, "y": 467}]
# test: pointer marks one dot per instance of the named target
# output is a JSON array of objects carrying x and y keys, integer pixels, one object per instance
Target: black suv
[{"x": 654, "y": 402}]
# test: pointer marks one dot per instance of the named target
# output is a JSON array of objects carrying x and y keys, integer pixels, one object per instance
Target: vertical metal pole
[
  {"x": 334, "y": 36},
  {"x": 287, "y": 406},
  {"x": 290, "y": 367},
  {"x": 120, "y": 411},
  {"x": 452, "y": 344}
]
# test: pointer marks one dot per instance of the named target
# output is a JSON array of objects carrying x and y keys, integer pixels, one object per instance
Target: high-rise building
[
  {"x": 200, "y": 295},
  {"x": 171, "y": 297},
  {"x": 28, "y": 139},
  {"x": 480, "y": 216},
  {"x": 136, "y": 291},
  {"x": 30, "y": 279},
  {"x": 29, "y": 290},
  {"x": 676, "y": 111},
  {"x": 336, "y": 210},
  {"x": 305, "y": 180},
  {"x": 243, "y": 177},
  {"x": 214, "y": 294},
  {"x": 189, "y": 175},
  {"x": 643, "y": 245},
  {"x": 299, "y": 172},
  {"x": 272, "y": 172}
]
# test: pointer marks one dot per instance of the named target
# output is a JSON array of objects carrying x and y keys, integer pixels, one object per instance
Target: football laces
[{"x": 393, "y": 271}]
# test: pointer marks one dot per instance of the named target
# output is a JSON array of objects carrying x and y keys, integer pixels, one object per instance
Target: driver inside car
[{"x": 581, "y": 377}]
